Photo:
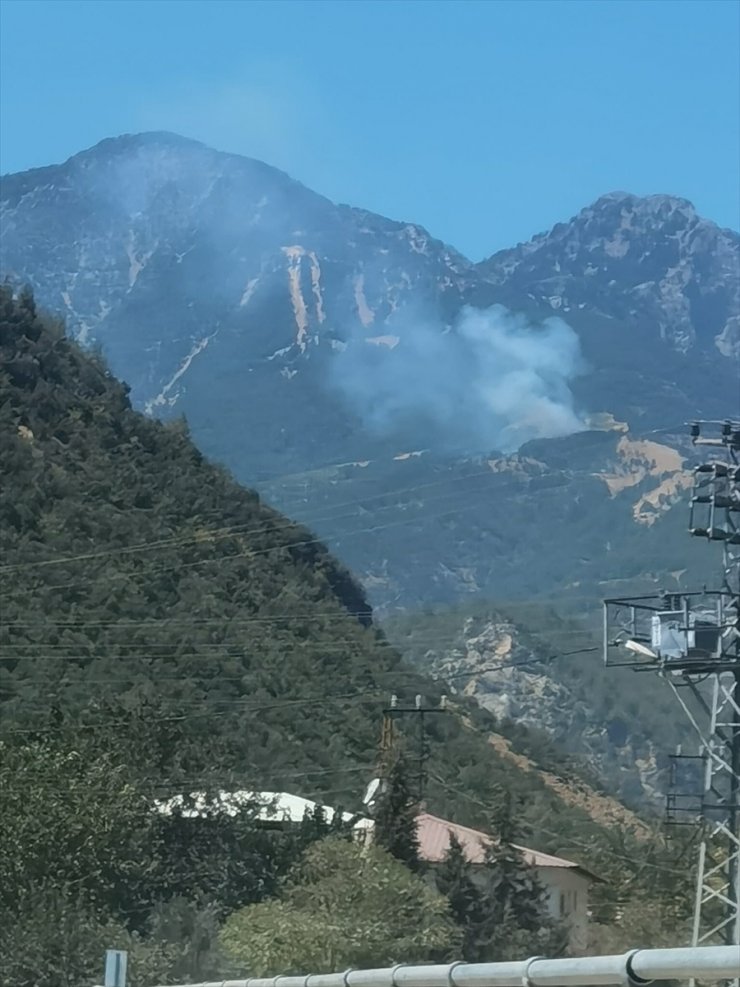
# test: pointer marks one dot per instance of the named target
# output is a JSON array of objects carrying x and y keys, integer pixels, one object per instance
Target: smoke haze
[{"x": 490, "y": 381}]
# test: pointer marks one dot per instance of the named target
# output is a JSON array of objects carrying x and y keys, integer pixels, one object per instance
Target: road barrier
[{"x": 712, "y": 964}]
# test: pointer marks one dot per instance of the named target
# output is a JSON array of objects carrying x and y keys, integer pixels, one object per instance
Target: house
[{"x": 566, "y": 883}]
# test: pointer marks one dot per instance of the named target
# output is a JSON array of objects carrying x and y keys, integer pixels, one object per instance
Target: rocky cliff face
[
  {"x": 551, "y": 681},
  {"x": 491, "y": 664}
]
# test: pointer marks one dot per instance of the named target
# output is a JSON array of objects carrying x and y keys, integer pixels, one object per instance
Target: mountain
[
  {"x": 512, "y": 430},
  {"x": 651, "y": 260},
  {"x": 654, "y": 291},
  {"x": 191, "y": 267},
  {"x": 571, "y": 520},
  {"x": 153, "y": 605},
  {"x": 220, "y": 288}
]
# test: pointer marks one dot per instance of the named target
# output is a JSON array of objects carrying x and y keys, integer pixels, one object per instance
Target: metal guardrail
[{"x": 640, "y": 966}]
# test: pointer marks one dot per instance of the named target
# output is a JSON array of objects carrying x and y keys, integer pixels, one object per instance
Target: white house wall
[{"x": 567, "y": 899}]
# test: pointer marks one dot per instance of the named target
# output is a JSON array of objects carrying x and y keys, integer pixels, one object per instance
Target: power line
[
  {"x": 167, "y": 622},
  {"x": 121, "y": 649},
  {"x": 559, "y": 836},
  {"x": 518, "y": 664},
  {"x": 274, "y": 526},
  {"x": 416, "y": 673},
  {"x": 250, "y": 554},
  {"x": 214, "y": 705},
  {"x": 113, "y": 725},
  {"x": 496, "y": 613}
]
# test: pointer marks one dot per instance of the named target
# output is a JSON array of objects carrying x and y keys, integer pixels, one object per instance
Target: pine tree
[
  {"x": 514, "y": 916},
  {"x": 317, "y": 825},
  {"x": 454, "y": 880},
  {"x": 503, "y": 816},
  {"x": 513, "y": 892},
  {"x": 314, "y": 826},
  {"x": 395, "y": 817}
]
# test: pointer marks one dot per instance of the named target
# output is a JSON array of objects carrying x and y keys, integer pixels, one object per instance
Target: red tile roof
[{"x": 434, "y": 839}]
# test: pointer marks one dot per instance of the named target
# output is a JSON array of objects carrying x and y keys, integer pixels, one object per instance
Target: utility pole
[
  {"x": 693, "y": 641},
  {"x": 421, "y": 711}
]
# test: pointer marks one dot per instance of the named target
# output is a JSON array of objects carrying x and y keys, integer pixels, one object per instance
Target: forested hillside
[
  {"x": 162, "y": 630},
  {"x": 143, "y": 589}
]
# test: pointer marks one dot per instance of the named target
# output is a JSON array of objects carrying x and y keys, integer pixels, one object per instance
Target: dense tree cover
[
  {"x": 162, "y": 632},
  {"x": 344, "y": 905},
  {"x": 542, "y": 524},
  {"x": 85, "y": 860},
  {"x": 499, "y": 905}
]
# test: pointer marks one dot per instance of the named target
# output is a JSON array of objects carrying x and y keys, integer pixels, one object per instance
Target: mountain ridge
[
  {"x": 294, "y": 333},
  {"x": 631, "y": 220},
  {"x": 222, "y": 290},
  {"x": 160, "y": 160}
]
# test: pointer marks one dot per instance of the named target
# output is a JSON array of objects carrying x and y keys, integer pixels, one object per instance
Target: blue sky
[{"x": 486, "y": 122}]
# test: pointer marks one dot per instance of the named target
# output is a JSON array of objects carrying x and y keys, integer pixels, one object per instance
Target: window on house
[{"x": 568, "y": 902}]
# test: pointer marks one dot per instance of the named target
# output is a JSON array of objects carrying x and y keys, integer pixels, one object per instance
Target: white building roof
[{"x": 270, "y": 806}]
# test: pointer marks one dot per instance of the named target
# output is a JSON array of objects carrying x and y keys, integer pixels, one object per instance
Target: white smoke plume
[{"x": 490, "y": 381}]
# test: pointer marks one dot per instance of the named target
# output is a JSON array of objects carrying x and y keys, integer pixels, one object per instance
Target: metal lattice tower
[
  {"x": 693, "y": 641},
  {"x": 715, "y": 515}
]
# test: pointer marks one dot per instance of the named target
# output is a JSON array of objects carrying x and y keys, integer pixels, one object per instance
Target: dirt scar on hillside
[
  {"x": 601, "y": 808},
  {"x": 642, "y": 459}
]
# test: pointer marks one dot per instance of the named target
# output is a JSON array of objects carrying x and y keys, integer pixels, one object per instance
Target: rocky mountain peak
[
  {"x": 658, "y": 206},
  {"x": 160, "y": 248},
  {"x": 651, "y": 260}
]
